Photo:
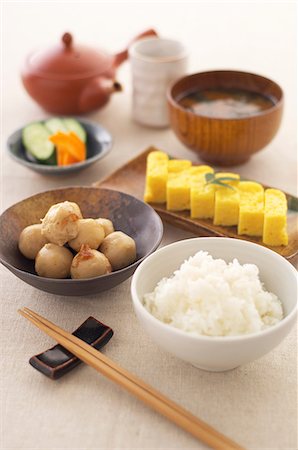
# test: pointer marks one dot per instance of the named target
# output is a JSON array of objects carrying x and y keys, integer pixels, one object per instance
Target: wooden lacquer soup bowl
[{"x": 218, "y": 136}]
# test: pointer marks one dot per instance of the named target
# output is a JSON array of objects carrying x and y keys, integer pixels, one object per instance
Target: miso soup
[{"x": 225, "y": 103}]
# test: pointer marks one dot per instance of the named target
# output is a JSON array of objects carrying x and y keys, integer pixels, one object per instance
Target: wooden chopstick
[{"x": 133, "y": 384}]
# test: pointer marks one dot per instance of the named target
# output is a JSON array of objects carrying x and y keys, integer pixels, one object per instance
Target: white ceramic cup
[{"x": 155, "y": 63}]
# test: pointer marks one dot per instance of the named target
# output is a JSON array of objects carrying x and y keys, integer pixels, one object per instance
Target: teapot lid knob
[{"x": 67, "y": 40}]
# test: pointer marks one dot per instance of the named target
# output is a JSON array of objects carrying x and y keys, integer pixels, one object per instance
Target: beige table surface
[{"x": 255, "y": 404}]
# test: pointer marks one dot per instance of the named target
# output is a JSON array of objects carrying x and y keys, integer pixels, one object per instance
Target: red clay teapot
[{"x": 73, "y": 79}]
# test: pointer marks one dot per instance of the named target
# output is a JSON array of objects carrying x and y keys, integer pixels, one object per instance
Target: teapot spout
[
  {"x": 97, "y": 93},
  {"x": 108, "y": 85},
  {"x": 117, "y": 87}
]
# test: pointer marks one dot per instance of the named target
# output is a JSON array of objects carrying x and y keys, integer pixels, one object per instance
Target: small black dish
[
  {"x": 99, "y": 143},
  {"x": 57, "y": 361}
]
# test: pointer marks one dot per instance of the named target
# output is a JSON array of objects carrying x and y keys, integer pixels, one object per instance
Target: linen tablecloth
[{"x": 256, "y": 405}]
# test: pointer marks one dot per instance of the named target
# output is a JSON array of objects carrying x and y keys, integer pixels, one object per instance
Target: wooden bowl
[
  {"x": 222, "y": 141},
  {"x": 128, "y": 214}
]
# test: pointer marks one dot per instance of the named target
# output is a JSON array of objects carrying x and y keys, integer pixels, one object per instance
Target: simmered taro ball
[
  {"x": 107, "y": 225},
  {"x": 53, "y": 261},
  {"x": 90, "y": 233},
  {"x": 31, "y": 241},
  {"x": 89, "y": 263},
  {"x": 119, "y": 248},
  {"x": 60, "y": 223}
]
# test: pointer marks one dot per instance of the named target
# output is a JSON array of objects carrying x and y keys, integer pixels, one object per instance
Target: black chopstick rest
[{"x": 57, "y": 361}]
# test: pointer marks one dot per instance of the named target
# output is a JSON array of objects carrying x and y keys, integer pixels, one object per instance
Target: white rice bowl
[{"x": 210, "y": 297}]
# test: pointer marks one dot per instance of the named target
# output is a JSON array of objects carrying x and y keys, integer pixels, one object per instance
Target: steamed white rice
[{"x": 209, "y": 297}]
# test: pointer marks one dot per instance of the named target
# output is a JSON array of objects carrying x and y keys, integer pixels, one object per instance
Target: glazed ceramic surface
[
  {"x": 127, "y": 213},
  {"x": 70, "y": 78},
  {"x": 58, "y": 361},
  {"x": 222, "y": 141},
  {"x": 99, "y": 144},
  {"x": 155, "y": 63},
  {"x": 216, "y": 353}
]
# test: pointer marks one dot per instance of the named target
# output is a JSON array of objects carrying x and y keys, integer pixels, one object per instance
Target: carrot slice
[
  {"x": 60, "y": 154},
  {"x": 64, "y": 158},
  {"x": 80, "y": 145},
  {"x": 70, "y": 148},
  {"x": 69, "y": 159}
]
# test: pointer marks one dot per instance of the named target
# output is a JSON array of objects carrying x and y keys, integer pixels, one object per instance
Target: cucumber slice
[
  {"x": 76, "y": 127},
  {"x": 51, "y": 161},
  {"x": 56, "y": 124},
  {"x": 36, "y": 141}
]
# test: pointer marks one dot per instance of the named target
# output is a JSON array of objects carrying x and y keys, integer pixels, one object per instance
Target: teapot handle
[{"x": 122, "y": 56}]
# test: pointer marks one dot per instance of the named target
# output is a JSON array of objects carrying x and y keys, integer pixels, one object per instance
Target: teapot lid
[{"x": 66, "y": 61}]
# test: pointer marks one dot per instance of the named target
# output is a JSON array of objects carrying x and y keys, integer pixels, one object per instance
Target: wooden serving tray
[{"x": 130, "y": 178}]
